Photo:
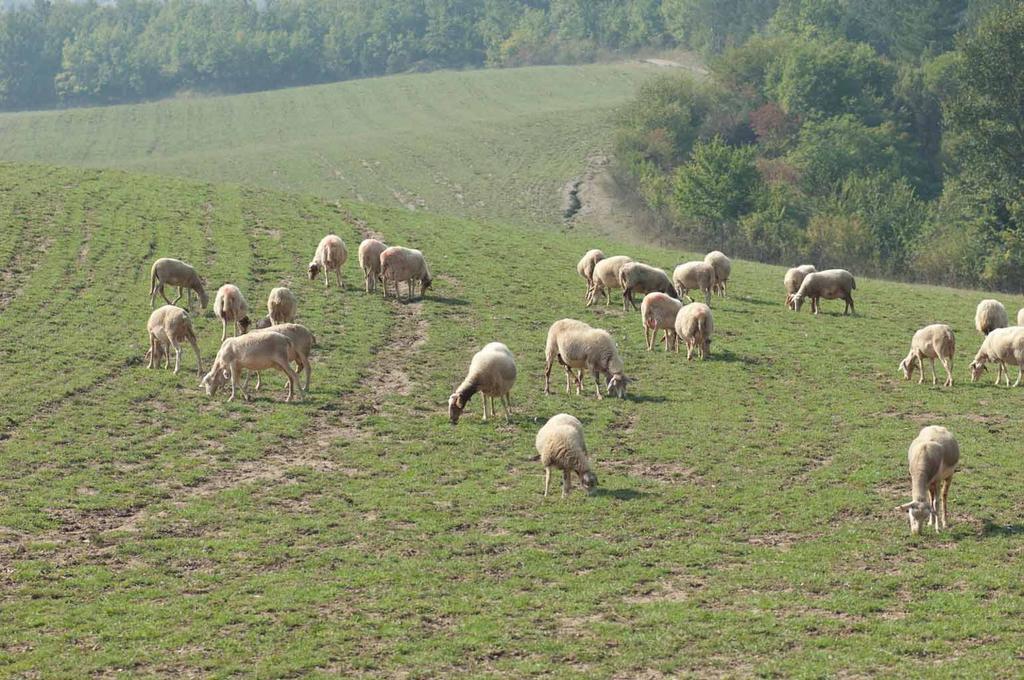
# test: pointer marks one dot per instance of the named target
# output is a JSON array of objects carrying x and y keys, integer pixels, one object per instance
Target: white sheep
[
  {"x": 229, "y": 305},
  {"x": 168, "y": 327},
  {"x": 578, "y": 346},
  {"x": 694, "y": 276},
  {"x": 492, "y": 373},
  {"x": 561, "y": 445},
  {"x": 658, "y": 312},
  {"x": 932, "y": 458},
  {"x": 369, "y": 261},
  {"x": 639, "y": 278},
  {"x": 302, "y": 346},
  {"x": 404, "y": 264},
  {"x": 931, "y": 342},
  {"x": 694, "y": 325},
  {"x": 585, "y": 268},
  {"x": 606, "y": 277},
  {"x": 330, "y": 255},
  {"x": 989, "y": 316},
  {"x": 723, "y": 268},
  {"x": 170, "y": 272},
  {"x": 281, "y": 306},
  {"x": 794, "y": 277},
  {"x": 1002, "y": 345},
  {"x": 831, "y": 284},
  {"x": 255, "y": 352}
]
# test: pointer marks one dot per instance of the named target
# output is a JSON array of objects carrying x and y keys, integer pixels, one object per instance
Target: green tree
[{"x": 717, "y": 186}]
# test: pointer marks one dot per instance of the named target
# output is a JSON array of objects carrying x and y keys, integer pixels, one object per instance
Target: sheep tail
[{"x": 152, "y": 279}]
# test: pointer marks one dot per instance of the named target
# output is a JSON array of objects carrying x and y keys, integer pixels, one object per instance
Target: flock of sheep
[{"x": 276, "y": 342}]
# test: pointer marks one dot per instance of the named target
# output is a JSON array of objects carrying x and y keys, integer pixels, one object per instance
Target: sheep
[
  {"x": 561, "y": 445},
  {"x": 168, "y": 326},
  {"x": 722, "y": 266},
  {"x": 281, "y": 306},
  {"x": 989, "y": 316},
  {"x": 794, "y": 277},
  {"x": 695, "y": 325},
  {"x": 585, "y": 268},
  {"x": 578, "y": 346},
  {"x": 932, "y": 342},
  {"x": 831, "y": 284},
  {"x": 369, "y": 261},
  {"x": 606, "y": 277},
  {"x": 255, "y": 352},
  {"x": 1001, "y": 345},
  {"x": 636, "y": 277},
  {"x": 492, "y": 372},
  {"x": 694, "y": 276},
  {"x": 229, "y": 305},
  {"x": 932, "y": 458},
  {"x": 330, "y": 255},
  {"x": 404, "y": 264},
  {"x": 168, "y": 271},
  {"x": 262, "y": 323},
  {"x": 302, "y": 346},
  {"x": 658, "y": 312}
]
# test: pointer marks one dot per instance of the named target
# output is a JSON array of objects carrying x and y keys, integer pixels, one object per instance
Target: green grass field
[{"x": 744, "y": 523}]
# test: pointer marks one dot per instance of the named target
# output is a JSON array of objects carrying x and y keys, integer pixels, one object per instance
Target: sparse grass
[{"x": 744, "y": 523}]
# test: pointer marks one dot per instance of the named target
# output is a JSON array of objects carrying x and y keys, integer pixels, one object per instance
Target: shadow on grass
[
  {"x": 452, "y": 302},
  {"x": 733, "y": 358},
  {"x": 645, "y": 398},
  {"x": 990, "y": 528},
  {"x": 620, "y": 494}
]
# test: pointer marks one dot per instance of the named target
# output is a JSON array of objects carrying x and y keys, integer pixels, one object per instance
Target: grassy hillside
[
  {"x": 495, "y": 144},
  {"x": 744, "y": 523}
]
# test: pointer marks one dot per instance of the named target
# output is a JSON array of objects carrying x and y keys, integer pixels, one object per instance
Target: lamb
[
  {"x": 281, "y": 306},
  {"x": 831, "y": 284},
  {"x": 168, "y": 271},
  {"x": 1001, "y": 345},
  {"x": 794, "y": 277},
  {"x": 578, "y": 346},
  {"x": 659, "y": 312},
  {"x": 561, "y": 445},
  {"x": 606, "y": 277},
  {"x": 369, "y": 261},
  {"x": 990, "y": 315},
  {"x": 330, "y": 255},
  {"x": 168, "y": 326},
  {"x": 722, "y": 266},
  {"x": 694, "y": 276},
  {"x": 492, "y": 372},
  {"x": 585, "y": 268},
  {"x": 302, "y": 346},
  {"x": 932, "y": 459},
  {"x": 255, "y": 352},
  {"x": 695, "y": 326},
  {"x": 931, "y": 342},
  {"x": 635, "y": 277},
  {"x": 230, "y": 305},
  {"x": 404, "y": 264}
]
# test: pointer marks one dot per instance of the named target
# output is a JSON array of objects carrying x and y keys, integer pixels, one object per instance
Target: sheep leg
[
  {"x": 1020, "y": 374},
  {"x": 920, "y": 367},
  {"x": 337, "y": 275},
  {"x": 236, "y": 383},
  {"x": 566, "y": 483},
  {"x": 948, "y": 365},
  {"x": 293, "y": 379},
  {"x": 485, "y": 407},
  {"x": 935, "y": 379},
  {"x": 152, "y": 352},
  {"x": 579, "y": 382},
  {"x": 933, "y": 496},
  {"x": 945, "y": 498},
  {"x": 597, "y": 383},
  {"x": 849, "y": 302},
  {"x": 707, "y": 297},
  {"x": 163, "y": 294},
  {"x": 547, "y": 479},
  {"x": 308, "y": 368},
  {"x": 627, "y": 298},
  {"x": 506, "y": 401}
]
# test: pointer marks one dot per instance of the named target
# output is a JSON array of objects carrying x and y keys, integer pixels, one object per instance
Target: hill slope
[{"x": 743, "y": 525}]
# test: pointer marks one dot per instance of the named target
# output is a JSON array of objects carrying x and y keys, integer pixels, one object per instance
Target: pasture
[{"x": 743, "y": 525}]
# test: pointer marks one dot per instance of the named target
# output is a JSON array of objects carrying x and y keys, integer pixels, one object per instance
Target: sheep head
[
  {"x": 588, "y": 480},
  {"x": 426, "y": 283},
  {"x": 456, "y": 406},
  {"x": 919, "y": 512},
  {"x": 244, "y": 324},
  {"x": 797, "y": 301},
  {"x": 617, "y": 385},
  {"x": 264, "y": 322},
  {"x": 976, "y": 370},
  {"x": 314, "y": 270},
  {"x": 213, "y": 380},
  {"x": 907, "y": 367}
]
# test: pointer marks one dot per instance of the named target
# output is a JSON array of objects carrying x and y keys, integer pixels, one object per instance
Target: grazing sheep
[
  {"x": 636, "y": 277},
  {"x": 932, "y": 459},
  {"x": 170, "y": 272},
  {"x": 168, "y": 326},
  {"x": 606, "y": 277},
  {"x": 695, "y": 326},
  {"x": 578, "y": 346},
  {"x": 369, "y": 261},
  {"x": 585, "y": 268},
  {"x": 659, "y": 312},
  {"x": 561, "y": 445},
  {"x": 931, "y": 342},
  {"x": 492, "y": 373},
  {"x": 722, "y": 266},
  {"x": 1001, "y": 345},
  {"x": 694, "y": 276},
  {"x": 229, "y": 305},
  {"x": 302, "y": 346},
  {"x": 255, "y": 352},
  {"x": 989, "y": 316},
  {"x": 404, "y": 264},
  {"x": 794, "y": 277},
  {"x": 831, "y": 284},
  {"x": 281, "y": 306},
  {"x": 330, "y": 255}
]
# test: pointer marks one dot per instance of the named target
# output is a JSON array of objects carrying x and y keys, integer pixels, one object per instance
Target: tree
[{"x": 717, "y": 185}]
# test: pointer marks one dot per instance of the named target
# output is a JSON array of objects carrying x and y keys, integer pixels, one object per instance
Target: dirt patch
[
  {"x": 664, "y": 473},
  {"x": 676, "y": 588}
]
